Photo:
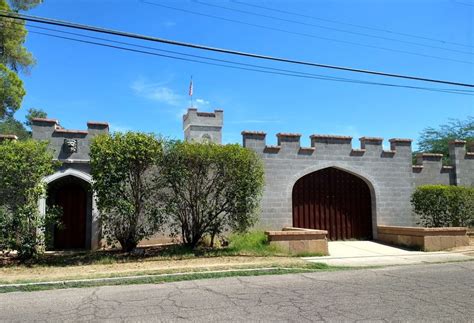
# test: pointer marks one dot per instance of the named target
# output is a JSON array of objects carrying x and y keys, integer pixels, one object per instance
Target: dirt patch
[{"x": 22, "y": 273}]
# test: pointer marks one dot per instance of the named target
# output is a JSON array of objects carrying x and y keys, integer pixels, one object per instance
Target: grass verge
[{"x": 157, "y": 278}]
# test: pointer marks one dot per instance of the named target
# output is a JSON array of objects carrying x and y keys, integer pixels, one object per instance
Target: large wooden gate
[
  {"x": 72, "y": 199},
  {"x": 333, "y": 200}
]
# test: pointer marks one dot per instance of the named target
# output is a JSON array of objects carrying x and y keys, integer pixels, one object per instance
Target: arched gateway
[{"x": 333, "y": 200}]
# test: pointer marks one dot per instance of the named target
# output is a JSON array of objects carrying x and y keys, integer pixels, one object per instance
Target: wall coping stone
[
  {"x": 97, "y": 123},
  {"x": 249, "y": 132},
  {"x": 458, "y": 142},
  {"x": 404, "y": 140},
  {"x": 421, "y": 231},
  {"x": 371, "y": 139},
  {"x": 45, "y": 120},
  {"x": 12, "y": 137},
  {"x": 288, "y": 134}
]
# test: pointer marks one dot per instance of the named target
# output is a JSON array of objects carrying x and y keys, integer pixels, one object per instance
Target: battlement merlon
[
  {"x": 461, "y": 155},
  {"x": 193, "y": 117}
]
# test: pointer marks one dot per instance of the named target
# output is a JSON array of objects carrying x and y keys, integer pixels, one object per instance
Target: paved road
[{"x": 441, "y": 292}]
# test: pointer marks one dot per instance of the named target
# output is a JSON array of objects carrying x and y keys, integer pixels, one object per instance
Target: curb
[{"x": 137, "y": 277}]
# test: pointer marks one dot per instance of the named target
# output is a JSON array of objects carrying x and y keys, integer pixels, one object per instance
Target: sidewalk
[{"x": 370, "y": 253}]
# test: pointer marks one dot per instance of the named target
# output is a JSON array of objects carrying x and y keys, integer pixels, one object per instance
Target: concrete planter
[
  {"x": 299, "y": 240},
  {"x": 427, "y": 239}
]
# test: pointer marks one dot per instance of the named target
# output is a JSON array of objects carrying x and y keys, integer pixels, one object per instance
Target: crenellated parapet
[
  {"x": 290, "y": 143},
  {"x": 67, "y": 145}
]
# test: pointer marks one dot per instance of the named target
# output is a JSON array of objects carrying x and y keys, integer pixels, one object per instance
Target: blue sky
[{"x": 76, "y": 82}]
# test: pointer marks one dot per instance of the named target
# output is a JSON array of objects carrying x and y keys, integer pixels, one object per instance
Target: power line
[
  {"x": 304, "y": 34},
  {"x": 256, "y": 68},
  {"x": 329, "y": 28},
  {"x": 350, "y": 24},
  {"x": 6, "y": 14}
]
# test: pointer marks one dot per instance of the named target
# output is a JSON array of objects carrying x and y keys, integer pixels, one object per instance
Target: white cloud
[
  {"x": 157, "y": 92},
  {"x": 169, "y": 24}
]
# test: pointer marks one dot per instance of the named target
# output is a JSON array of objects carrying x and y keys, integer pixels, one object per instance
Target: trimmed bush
[
  {"x": 444, "y": 205},
  {"x": 124, "y": 166},
  {"x": 210, "y": 189},
  {"x": 23, "y": 165}
]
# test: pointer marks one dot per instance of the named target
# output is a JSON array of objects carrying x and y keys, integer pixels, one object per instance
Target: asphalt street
[{"x": 434, "y": 292}]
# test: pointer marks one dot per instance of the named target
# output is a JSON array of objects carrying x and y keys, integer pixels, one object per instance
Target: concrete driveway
[{"x": 370, "y": 253}]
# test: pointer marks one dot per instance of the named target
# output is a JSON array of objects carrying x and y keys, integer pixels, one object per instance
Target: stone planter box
[
  {"x": 427, "y": 239},
  {"x": 300, "y": 241}
]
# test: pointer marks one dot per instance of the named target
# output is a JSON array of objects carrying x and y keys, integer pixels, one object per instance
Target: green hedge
[{"x": 444, "y": 205}]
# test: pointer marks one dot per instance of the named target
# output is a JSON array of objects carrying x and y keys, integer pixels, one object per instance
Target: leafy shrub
[
  {"x": 123, "y": 166},
  {"x": 444, "y": 205},
  {"x": 210, "y": 188},
  {"x": 23, "y": 165}
]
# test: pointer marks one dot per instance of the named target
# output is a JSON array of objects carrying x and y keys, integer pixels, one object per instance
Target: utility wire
[
  {"x": 350, "y": 24},
  {"x": 6, "y": 14},
  {"x": 256, "y": 68},
  {"x": 329, "y": 28},
  {"x": 304, "y": 34}
]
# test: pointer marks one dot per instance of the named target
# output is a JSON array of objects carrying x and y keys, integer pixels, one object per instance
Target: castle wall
[
  {"x": 430, "y": 170},
  {"x": 388, "y": 173}
]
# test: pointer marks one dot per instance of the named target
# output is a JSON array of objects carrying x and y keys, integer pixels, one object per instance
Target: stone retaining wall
[
  {"x": 300, "y": 241},
  {"x": 427, "y": 239}
]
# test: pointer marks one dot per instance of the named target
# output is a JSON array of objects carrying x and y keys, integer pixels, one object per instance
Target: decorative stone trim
[
  {"x": 316, "y": 136},
  {"x": 78, "y": 132},
  {"x": 357, "y": 152},
  {"x": 429, "y": 155}
]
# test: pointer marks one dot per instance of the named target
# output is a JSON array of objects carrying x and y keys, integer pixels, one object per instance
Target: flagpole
[{"x": 191, "y": 92}]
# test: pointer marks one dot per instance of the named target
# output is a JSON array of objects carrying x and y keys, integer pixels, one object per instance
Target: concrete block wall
[
  {"x": 388, "y": 173},
  {"x": 429, "y": 169}
]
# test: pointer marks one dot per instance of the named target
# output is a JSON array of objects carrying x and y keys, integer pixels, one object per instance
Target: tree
[
  {"x": 23, "y": 165},
  {"x": 210, "y": 188},
  {"x": 11, "y": 92},
  {"x": 436, "y": 140},
  {"x": 123, "y": 167},
  {"x": 11, "y": 126},
  {"x": 34, "y": 113},
  {"x": 14, "y": 57}
]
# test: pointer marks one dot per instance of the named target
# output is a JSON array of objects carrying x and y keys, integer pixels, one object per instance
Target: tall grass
[{"x": 252, "y": 243}]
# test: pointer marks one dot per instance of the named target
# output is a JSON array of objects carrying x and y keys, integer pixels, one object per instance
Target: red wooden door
[
  {"x": 333, "y": 200},
  {"x": 72, "y": 198}
]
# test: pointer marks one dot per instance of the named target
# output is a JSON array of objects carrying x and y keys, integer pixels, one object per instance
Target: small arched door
[
  {"x": 71, "y": 196},
  {"x": 333, "y": 200}
]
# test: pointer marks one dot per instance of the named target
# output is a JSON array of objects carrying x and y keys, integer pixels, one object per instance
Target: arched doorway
[
  {"x": 333, "y": 200},
  {"x": 72, "y": 195}
]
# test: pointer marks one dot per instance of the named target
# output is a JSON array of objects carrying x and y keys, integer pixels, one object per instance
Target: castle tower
[{"x": 203, "y": 126}]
